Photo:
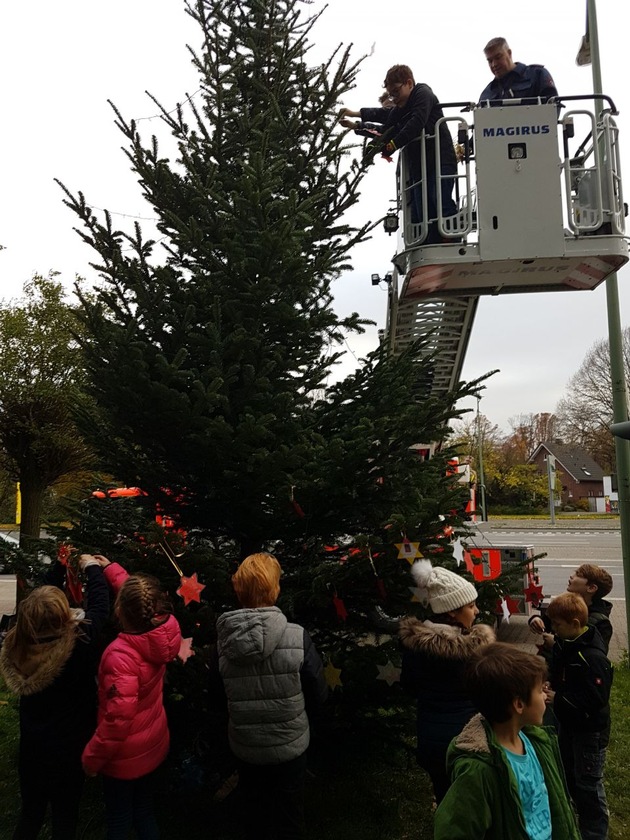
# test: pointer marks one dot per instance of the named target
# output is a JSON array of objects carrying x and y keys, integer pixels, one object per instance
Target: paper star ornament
[
  {"x": 534, "y": 593},
  {"x": 508, "y": 606},
  {"x": 332, "y": 676},
  {"x": 190, "y": 589},
  {"x": 418, "y": 596},
  {"x": 185, "y": 650},
  {"x": 389, "y": 673},
  {"x": 458, "y": 551},
  {"x": 408, "y": 551}
]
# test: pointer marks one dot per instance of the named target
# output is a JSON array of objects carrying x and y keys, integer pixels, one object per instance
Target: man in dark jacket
[
  {"x": 416, "y": 109},
  {"x": 581, "y": 677},
  {"x": 514, "y": 80}
]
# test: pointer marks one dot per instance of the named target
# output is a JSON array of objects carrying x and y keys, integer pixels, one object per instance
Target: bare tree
[
  {"x": 586, "y": 412},
  {"x": 528, "y": 430}
]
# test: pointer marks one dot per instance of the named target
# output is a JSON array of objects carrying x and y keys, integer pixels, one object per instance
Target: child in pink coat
[{"x": 132, "y": 738}]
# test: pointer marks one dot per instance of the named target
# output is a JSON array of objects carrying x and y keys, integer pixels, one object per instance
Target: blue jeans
[
  {"x": 583, "y": 757},
  {"x": 129, "y": 802}
]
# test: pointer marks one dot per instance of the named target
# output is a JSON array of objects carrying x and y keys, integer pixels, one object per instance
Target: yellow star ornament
[
  {"x": 332, "y": 676},
  {"x": 408, "y": 551}
]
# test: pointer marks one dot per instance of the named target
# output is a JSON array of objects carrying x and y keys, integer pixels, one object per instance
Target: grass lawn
[{"x": 358, "y": 789}]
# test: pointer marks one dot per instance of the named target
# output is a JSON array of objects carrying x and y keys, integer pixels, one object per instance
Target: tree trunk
[{"x": 32, "y": 505}]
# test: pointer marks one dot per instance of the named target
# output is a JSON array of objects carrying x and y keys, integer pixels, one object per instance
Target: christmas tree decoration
[
  {"x": 295, "y": 505},
  {"x": 185, "y": 650},
  {"x": 332, "y": 676},
  {"x": 458, "y": 551},
  {"x": 418, "y": 596},
  {"x": 533, "y": 592},
  {"x": 340, "y": 608},
  {"x": 389, "y": 673},
  {"x": 508, "y": 606},
  {"x": 408, "y": 551},
  {"x": 68, "y": 557},
  {"x": 190, "y": 589}
]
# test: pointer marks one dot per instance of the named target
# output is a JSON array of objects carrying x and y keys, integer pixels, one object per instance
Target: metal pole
[
  {"x": 617, "y": 372},
  {"x": 392, "y": 291},
  {"x": 551, "y": 483},
  {"x": 482, "y": 480}
]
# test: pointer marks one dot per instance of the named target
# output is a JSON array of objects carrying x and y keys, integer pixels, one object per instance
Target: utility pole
[
  {"x": 617, "y": 371},
  {"x": 551, "y": 483},
  {"x": 481, "y": 477}
]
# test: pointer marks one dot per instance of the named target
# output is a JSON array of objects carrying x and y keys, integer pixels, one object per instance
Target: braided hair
[{"x": 141, "y": 605}]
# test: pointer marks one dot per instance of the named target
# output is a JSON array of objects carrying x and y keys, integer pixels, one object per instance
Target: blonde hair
[
  {"x": 257, "y": 581},
  {"x": 141, "y": 605},
  {"x": 44, "y": 615}
]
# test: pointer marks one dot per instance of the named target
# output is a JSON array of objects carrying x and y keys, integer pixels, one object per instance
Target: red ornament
[
  {"x": 190, "y": 589},
  {"x": 512, "y": 604},
  {"x": 74, "y": 588},
  {"x": 298, "y": 510},
  {"x": 381, "y": 589},
  {"x": 340, "y": 608},
  {"x": 533, "y": 593},
  {"x": 185, "y": 650}
]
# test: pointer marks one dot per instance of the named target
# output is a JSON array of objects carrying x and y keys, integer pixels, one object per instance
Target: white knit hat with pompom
[{"x": 445, "y": 591}]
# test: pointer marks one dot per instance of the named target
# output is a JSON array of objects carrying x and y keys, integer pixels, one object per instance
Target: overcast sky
[{"x": 61, "y": 63}]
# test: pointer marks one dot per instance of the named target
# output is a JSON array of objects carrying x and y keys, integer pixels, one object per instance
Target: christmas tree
[{"x": 208, "y": 353}]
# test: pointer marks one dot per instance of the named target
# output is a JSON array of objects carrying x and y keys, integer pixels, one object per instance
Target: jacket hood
[
  {"x": 251, "y": 634},
  {"x": 590, "y": 638},
  {"x": 42, "y": 665},
  {"x": 443, "y": 640},
  {"x": 159, "y": 645},
  {"x": 600, "y": 605},
  {"x": 477, "y": 735}
]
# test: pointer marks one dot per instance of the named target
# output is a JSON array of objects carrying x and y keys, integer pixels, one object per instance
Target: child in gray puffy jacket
[{"x": 273, "y": 679}]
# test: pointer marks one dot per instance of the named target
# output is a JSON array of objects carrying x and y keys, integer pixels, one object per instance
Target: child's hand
[
  {"x": 549, "y": 693},
  {"x": 536, "y": 625},
  {"x": 548, "y": 640},
  {"x": 86, "y": 560},
  {"x": 102, "y": 560}
]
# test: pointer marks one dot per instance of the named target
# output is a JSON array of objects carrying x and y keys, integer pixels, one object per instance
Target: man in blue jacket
[{"x": 514, "y": 80}]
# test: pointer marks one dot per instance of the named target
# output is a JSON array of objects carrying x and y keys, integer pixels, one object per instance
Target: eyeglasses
[{"x": 394, "y": 92}]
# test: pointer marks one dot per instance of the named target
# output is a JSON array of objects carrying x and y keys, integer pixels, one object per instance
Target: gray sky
[{"x": 61, "y": 62}]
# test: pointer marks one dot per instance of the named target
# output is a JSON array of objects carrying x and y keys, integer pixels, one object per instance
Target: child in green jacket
[{"x": 507, "y": 777}]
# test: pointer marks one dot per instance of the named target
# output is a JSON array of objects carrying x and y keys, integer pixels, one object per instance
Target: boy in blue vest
[
  {"x": 507, "y": 778},
  {"x": 581, "y": 677}
]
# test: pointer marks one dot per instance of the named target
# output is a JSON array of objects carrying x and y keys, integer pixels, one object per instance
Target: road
[{"x": 566, "y": 549}]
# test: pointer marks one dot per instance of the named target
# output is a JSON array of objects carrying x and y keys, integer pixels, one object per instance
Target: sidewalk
[
  {"x": 585, "y": 523},
  {"x": 7, "y": 594}
]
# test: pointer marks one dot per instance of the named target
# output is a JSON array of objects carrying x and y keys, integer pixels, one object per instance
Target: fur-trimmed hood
[
  {"x": 41, "y": 667},
  {"x": 443, "y": 640},
  {"x": 473, "y": 737}
]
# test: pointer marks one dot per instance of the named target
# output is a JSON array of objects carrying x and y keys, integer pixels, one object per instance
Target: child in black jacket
[
  {"x": 49, "y": 659},
  {"x": 581, "y": 677}
]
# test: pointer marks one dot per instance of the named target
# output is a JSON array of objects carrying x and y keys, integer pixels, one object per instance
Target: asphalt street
[{"x": 567, "y": 546}]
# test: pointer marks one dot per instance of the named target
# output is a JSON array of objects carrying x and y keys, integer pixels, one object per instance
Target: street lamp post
[
  {"x": 617, "y": 370},
  {"x": 481, "y": 477}
]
